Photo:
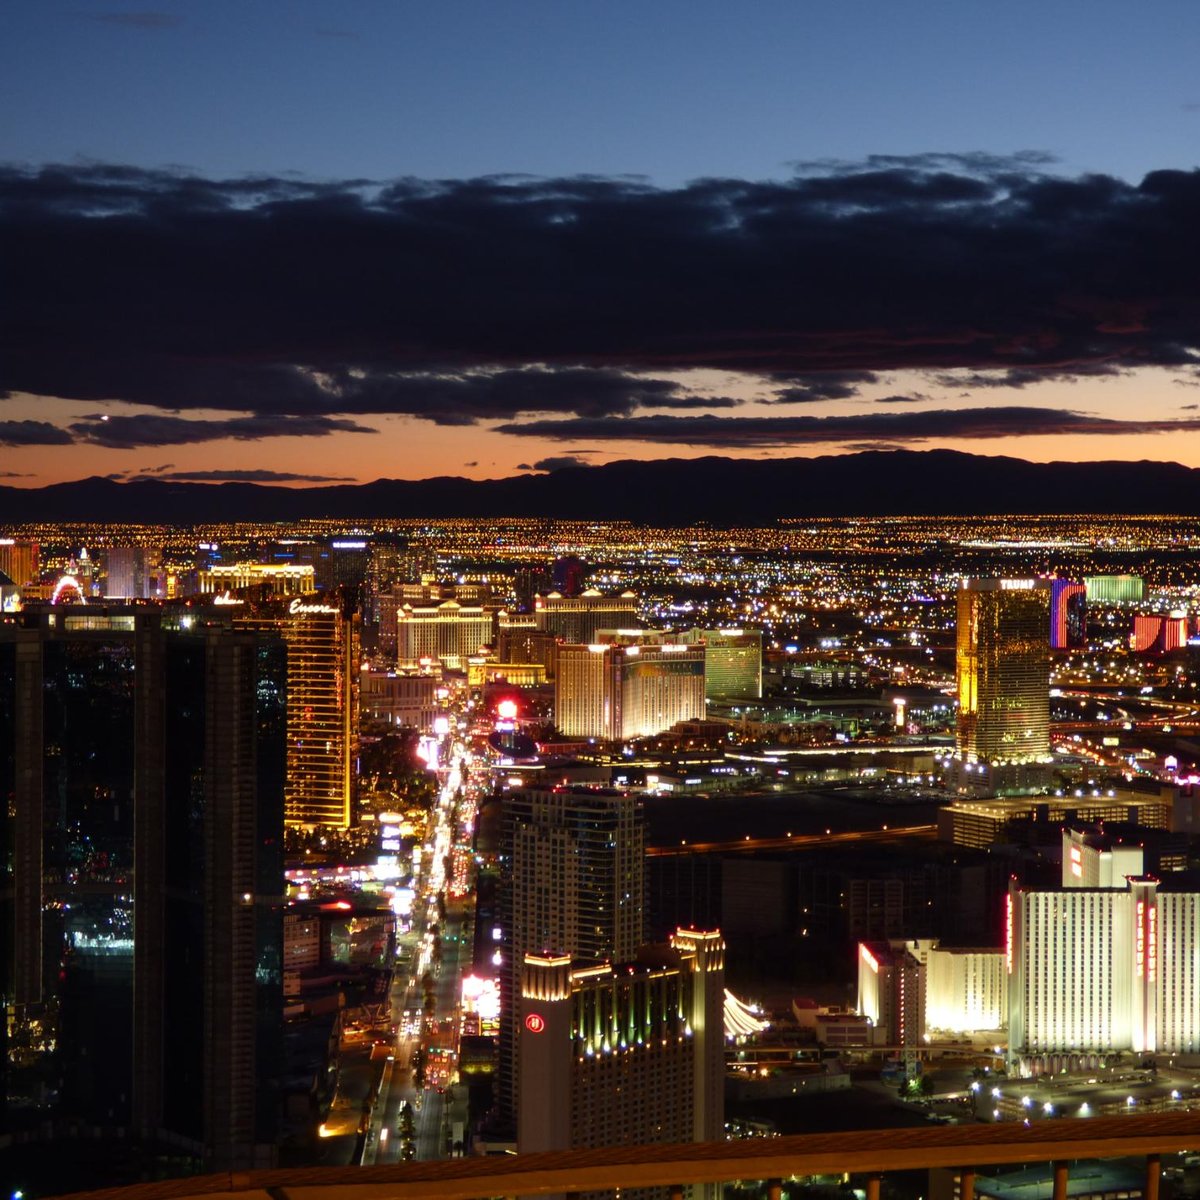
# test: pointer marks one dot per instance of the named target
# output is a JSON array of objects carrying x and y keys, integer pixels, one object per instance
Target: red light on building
[{"x": 535, "y": 1023}]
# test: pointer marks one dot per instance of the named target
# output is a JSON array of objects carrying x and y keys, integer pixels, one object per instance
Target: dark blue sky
[{"x": 669, "y": 89}]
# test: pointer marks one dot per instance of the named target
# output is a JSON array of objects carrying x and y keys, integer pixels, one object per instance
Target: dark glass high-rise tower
[{"x": 142, "y": 760}]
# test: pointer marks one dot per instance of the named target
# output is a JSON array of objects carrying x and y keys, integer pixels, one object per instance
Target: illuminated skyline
[{"x": 468, "y": 241}]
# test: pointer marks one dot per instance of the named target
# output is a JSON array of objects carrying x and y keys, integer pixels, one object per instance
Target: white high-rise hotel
[{"x": 1102, "y": 965}]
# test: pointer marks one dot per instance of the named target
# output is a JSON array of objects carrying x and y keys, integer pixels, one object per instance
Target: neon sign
[
  {"x": 67, "y": 581},
  {"x": 1008, "y": 932},
  {"x": 1152, "y": 944},
  {"x": 535, "y": 1023},
  {"x": 298, "y": 606}
]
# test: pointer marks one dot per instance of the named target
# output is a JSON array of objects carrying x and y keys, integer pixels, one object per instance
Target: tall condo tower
[
  {"x": 143, "y": 880},
  {"x": 573, "y": 884}
]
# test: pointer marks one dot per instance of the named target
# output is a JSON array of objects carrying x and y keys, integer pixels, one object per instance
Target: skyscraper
[
  {"x": 732, "y": 662},
  {"x": 342, "y": 563},
  {"x": 19, "y": 561},
  {"x": 627, "y": 1053},
  {"x": 572, "y": 884},
  {"x": 1003, "y": 671},
  {"x": 448, "y": 632},
  {"x": 142, "y": 848},
  {"x": 1097, "y": 971},
  {"x": 133, "y": 572},
  {"x": 322, "y": 638}
]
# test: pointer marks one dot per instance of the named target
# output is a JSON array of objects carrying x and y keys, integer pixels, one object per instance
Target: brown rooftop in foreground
[{"x": 871, "y": 1153}]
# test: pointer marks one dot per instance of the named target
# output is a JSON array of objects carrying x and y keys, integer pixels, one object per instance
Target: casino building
[
  {"x": 623, "y": 1054},
  {"x": 322, "y": 635},
  {"x": 613, "y": 690},
  {"x": 1095, "y": 970}
]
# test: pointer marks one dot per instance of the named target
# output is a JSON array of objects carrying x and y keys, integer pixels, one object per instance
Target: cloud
[
  {"x": 250, "y": 476},
  {"x": 33, "y": 433},
  {"x": 509, "y": 297},
  {"x": 150, "y": 429},
  {"x": 558, "y": 462},
  {"x": 135, "y": 20},
  {"x": 915, "y": 398},
  {"x": 1019, "y": 377},
  {"x": 823, "y": 385},
  {"x": 16, "y": 474},
  {"x": 895, "y": 428}
]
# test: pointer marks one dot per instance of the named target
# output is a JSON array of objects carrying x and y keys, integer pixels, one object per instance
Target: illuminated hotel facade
[
  {"x": 1002, "y": 671},
  {"x": 323, "y": 654},
  {"x": 284, "y": 579},
  {"x": 448, "y": 633},
  {"x": 19, "y": 561},
  {"x": 908, "y": 988},
  {"x": 1094, "y": 971},
  {"x": 1154, "y": 633},
  {"x": 732, "y": 662},
  {"x": 579, "y": 618},
  {"x": 630, "y": 1054},
  {"x": 612, "y": 691}
]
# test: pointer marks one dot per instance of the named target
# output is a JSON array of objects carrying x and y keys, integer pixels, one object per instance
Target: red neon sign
[{"x": 535, "y": 1023}]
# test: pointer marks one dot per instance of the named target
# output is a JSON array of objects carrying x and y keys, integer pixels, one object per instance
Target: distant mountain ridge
[{"x": 722, "y": 491}]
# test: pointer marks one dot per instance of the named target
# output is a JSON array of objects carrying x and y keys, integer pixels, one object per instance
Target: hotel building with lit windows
[
  {"x": 732, "y": 662},
  {"x": 1105, "y": 964},
  {"x": 909, "y": 988},
  {"x": 1068, "y": 614},
  {"x": 20, "y": 561},
  {"x": 625, "y": 1054},
  {"x": 572, "y": 881},
  {"x": 281, "y": 579},
  {"x": 1002, "y": 671},
  {"x": 626, "y": 686},
  {"x": 449, "y": 633},
  {"x": 321, "y": 633},
  {"x": 579, "y": 618}
]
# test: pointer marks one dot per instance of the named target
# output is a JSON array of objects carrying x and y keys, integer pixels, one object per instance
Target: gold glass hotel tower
[
  {"x": 321, "y": 633},
  {"x": 322, "y": 717},
  {"x": 1003, "y": 670}
]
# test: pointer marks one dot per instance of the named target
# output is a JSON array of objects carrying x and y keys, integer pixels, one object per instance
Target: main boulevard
[{"x": 410, "y": 1104}]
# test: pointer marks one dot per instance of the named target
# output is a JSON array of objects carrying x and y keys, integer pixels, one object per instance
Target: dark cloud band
[
  {"x": 893, "y": 428},
  {"x": 280, "y": 296},
  {"x": 150, "y": 429}
]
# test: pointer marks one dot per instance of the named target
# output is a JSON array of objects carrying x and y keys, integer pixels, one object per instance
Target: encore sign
[
  {"x": 298, "y": 606},
  {"x": 535, "y": 1023}
]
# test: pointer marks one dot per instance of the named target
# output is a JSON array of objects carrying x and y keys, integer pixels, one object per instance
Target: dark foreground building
[{"x": 142, "y": 764}]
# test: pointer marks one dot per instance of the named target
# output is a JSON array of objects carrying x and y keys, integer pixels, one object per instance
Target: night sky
[{"x": 307, "y": 241}]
